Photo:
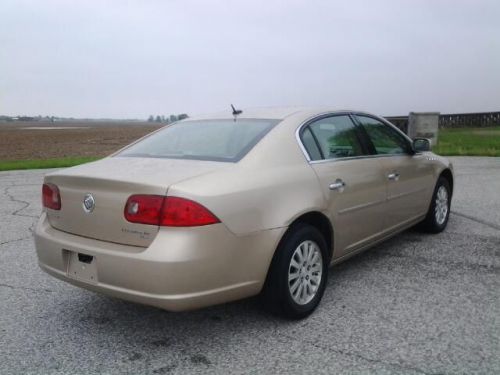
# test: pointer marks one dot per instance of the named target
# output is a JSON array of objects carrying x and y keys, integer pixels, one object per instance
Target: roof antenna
[{"x": 236, "y": 112}]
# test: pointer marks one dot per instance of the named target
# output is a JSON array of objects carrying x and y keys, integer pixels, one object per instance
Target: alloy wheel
[
  {"x": 441, "y": 207},
  {"x": 305, "y": 272}
]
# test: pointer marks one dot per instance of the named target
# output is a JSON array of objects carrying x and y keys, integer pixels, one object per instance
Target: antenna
[{"x": 236, "y": 112}]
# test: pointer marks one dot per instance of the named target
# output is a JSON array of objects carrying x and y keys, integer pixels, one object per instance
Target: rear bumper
[{"x": 182, "y": 269}]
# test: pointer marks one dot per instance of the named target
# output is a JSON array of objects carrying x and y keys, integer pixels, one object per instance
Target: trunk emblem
[{"x": 88, "y": 203}]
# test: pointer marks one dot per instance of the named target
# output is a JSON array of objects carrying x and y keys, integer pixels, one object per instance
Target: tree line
[{"x": 167, "y": 119}]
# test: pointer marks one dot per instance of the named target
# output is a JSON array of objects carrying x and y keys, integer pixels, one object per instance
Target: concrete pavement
[{"x": 417, "y": 304}]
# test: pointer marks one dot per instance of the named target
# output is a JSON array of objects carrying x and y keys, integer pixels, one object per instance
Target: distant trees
[
  {"x": 167, "y": 119},
  {"x": 161, "y": 119},
  {"x": 38, "y": 118}
]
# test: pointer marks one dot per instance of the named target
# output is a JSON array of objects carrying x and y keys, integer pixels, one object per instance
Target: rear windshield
[{"x": 217, "y": 140}]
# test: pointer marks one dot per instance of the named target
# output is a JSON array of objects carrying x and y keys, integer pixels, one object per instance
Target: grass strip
[
  {"x": 11, "y": 165},
  {"x": 469, "y": 142}
]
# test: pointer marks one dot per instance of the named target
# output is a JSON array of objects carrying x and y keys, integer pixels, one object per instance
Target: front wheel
[
  {"x": 439, "y": 210},
  {"x": 298, "y": 273}
]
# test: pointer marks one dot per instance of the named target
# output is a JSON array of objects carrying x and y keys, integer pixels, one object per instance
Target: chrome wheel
[
  {"x": 441, "y": 206},
  {"x": 305, "y": 272}
]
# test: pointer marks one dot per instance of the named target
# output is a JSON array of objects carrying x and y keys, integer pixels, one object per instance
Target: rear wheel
[
  {"x": 298, "y": 273},
  {"x": 439, "y": 210}
]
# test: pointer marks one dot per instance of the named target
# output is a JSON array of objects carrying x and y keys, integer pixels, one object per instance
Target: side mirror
[{"x": 421, "y": 145}]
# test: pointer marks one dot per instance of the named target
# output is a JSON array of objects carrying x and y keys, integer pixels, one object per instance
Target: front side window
[
  {"x": 335, "y": 137},
  {"x": 216, "y": 140},
  {"x": 385, "y": 139}
]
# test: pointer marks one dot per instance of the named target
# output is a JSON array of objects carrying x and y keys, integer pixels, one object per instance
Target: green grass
[
  {"x": 10, "y": 165},
  {"x": 469, "y": 142}
]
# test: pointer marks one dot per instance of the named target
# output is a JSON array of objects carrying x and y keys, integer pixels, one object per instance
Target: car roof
[{"x": 278, "y": 113}]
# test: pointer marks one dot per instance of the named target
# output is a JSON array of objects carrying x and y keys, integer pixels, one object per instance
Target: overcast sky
[{"x": 130, "y": 59}]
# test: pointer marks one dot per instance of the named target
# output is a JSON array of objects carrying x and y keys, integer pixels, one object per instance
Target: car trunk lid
[{"x": 107, "y": 184}]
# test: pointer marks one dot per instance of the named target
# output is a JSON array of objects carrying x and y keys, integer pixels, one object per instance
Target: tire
[
  {"x": 439, "y": 209},
  {"x": 284, "y": 297}
]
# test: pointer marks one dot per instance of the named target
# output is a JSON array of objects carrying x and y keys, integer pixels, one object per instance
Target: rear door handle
[
  {"x": 338, "y": 185},
  {"x": 394, "y": 176}
]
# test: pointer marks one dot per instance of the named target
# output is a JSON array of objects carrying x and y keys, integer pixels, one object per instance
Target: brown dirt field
[{"x": 85, "y": 139}]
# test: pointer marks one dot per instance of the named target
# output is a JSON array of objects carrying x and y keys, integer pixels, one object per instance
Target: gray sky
[{"x": 129, "y": 59}]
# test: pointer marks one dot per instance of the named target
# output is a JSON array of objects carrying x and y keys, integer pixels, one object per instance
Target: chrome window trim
[
  {"x": 349, "y": 113},
  {"x": 356, "y": 157}
]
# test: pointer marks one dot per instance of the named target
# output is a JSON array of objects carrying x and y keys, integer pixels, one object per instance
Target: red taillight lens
[
  {"x": 167, "y": 211},
  {"x": 180, "y": 212},
  {"x": 144, "y": 209},
  {"x": 51, "y": 197}
]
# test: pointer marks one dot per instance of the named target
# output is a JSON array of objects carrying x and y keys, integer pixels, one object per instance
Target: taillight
[
  {"x": 167, "y": 211},
  {"x": 144, "y": 209},
  {"x": 51, "y": 197},
  {"x": 180, "y": 212}
]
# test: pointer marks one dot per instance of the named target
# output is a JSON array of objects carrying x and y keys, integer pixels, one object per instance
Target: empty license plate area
[{"x": 81, "y": 266}]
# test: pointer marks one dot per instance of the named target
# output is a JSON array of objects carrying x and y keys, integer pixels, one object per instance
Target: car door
[
  {"x": 409, "y": 178},
  {"x": 353, "y": 184}
]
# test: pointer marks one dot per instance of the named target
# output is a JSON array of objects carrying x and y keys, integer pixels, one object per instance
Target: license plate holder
[{"x": 81, "y": 267}]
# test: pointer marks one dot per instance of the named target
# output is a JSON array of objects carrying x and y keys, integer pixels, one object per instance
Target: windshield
[{"x": 217, "y": 140}]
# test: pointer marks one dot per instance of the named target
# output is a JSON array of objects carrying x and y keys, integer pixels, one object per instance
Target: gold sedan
[{"x": 213, "y": 209}]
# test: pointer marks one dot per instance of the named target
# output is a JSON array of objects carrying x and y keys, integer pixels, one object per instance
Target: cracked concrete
[
  {"x": 29, "y": 237},
  {"x": 416, "y": 304},
  {"x": 15, "y": 207},
  {"x": 24, "y": 204},
  {"x": 394, "y": 366},
  {"x": 477, "y": 220}
]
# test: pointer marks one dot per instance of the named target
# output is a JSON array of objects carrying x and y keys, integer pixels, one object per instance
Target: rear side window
[
  {"x": 311, "y": 145},
  {"x": 335, "y": 136},
  {"x": 385, "y": 139},
  {"x": 217, "y": 140}
]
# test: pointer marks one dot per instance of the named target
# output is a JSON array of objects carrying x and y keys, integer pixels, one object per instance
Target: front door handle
[
  {"x": 394, "y": 176},
  {"x": 338, "y": 185}
]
